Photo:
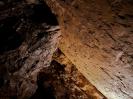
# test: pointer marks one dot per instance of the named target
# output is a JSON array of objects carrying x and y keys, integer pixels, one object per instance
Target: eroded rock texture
[
  {"x": 62, "y": 80},
  {"x": 98, "y": 39},
  {"x": 28, "y": 39},
  {"x": 29, "y": 66}
]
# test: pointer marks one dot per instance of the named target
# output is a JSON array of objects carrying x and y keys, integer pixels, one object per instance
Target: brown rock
[{"x": 97, "y": 37}]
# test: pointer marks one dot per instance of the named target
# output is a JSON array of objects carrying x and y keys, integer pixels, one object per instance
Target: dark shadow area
[
  {"x": 45, "y": 89},
  {"x": 1, "y": 81},
  {"x": 9, "y": 38},
  {"x": 50, "y": 83},
  {"x": 42, "y": 13},
  {"x": 21, "y": 22},
  {"x": 30, "y": 15}
]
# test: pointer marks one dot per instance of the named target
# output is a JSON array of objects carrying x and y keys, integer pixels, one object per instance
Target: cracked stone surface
[
  {"x": 62, "y": 80},
  {"x": 97, "y": 36},
  {"x": 29, "y": 37}
]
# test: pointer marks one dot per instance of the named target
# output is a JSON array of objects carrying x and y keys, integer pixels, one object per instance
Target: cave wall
[
  {"x": 97, "y": 36},
  {"x": 29, "y": 35}
]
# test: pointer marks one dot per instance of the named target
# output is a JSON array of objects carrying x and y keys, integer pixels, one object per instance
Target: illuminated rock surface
[{"x": 96, "y": 38}]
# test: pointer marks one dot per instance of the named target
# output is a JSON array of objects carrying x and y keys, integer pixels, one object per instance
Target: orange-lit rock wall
[{"x": 97, "y": 36}]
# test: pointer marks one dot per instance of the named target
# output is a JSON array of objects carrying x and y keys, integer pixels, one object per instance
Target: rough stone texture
[
  {"x": 61, "y": 80},
  {"x": 27, "y": 45},
  {"x": 29, "y": 35},
  {"x": 97, "y": 36}
]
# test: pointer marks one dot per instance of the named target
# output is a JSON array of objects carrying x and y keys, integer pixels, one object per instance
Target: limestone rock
[{"x": 97, "y": 36}]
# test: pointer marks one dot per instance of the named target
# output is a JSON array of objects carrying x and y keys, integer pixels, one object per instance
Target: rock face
[
  {"x": 28, "y": 39},
  {"x": 29, "y": 66},
  {"x": 97, "y": 36},
  {"x": 62, "y": 80}
]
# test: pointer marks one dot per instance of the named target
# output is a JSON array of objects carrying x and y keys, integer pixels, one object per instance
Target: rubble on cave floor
[{"x": 63, "y": 81}]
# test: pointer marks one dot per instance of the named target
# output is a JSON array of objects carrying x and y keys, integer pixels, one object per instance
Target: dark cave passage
[
  {"x": 48, "y": 83},
  {"x": 9, "y": 38},
  {"x": 30, "y": 15},
  {"x": 42, "y": 13},
  {"x": 45, "y": 88}
]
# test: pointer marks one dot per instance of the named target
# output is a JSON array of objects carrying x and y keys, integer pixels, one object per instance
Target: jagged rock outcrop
[
  {"x": 97, "y": 36},
  {"x": 62, "y": 80},
  {"x": 29, "y": 66},
  {"x": 28, "y": 39}
]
